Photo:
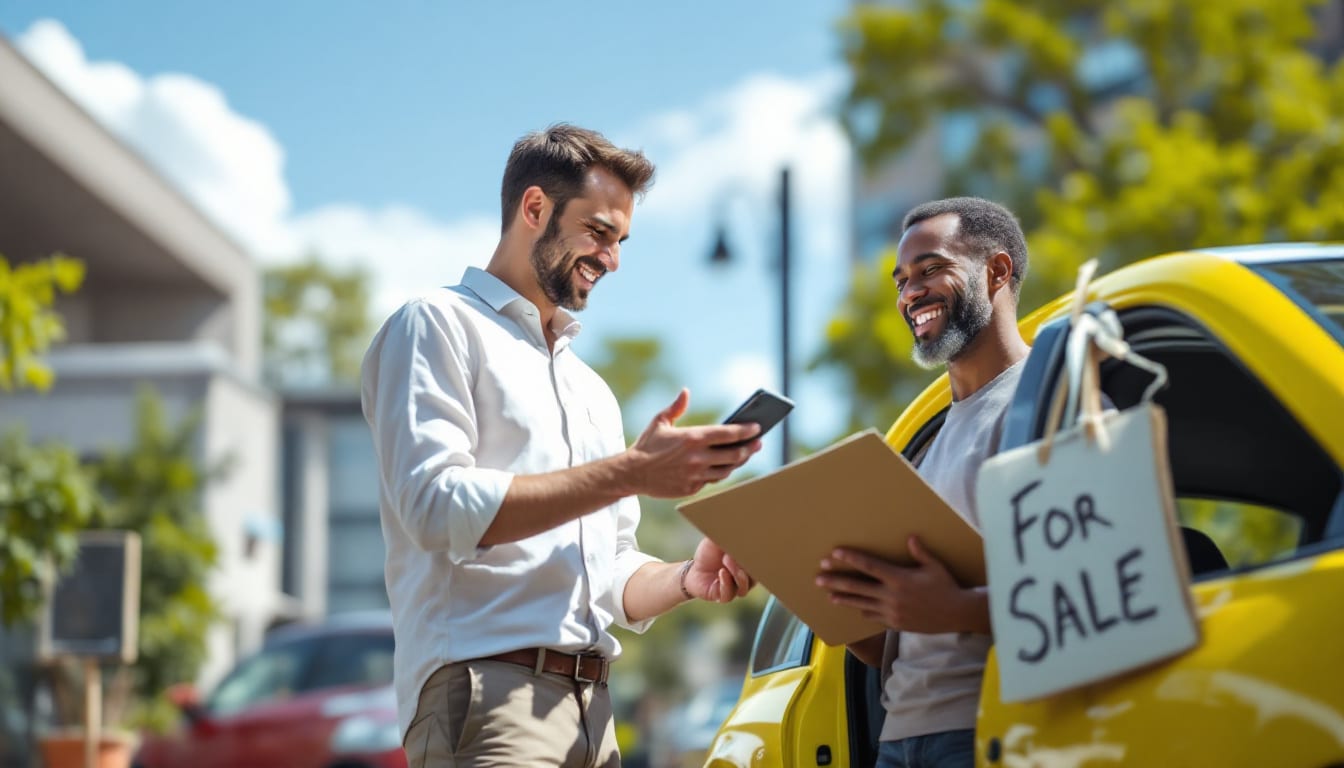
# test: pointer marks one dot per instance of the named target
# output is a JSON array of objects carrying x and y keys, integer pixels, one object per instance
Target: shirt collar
[
  {"x": 491, "y": 289},
  {"x": 500, "y": 296}
]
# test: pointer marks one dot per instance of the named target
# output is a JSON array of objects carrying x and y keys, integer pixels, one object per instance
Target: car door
[{"x": 1256, "y": 442}]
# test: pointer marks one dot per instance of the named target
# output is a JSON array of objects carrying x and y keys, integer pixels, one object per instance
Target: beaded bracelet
[{"x": 685, "y": 569}]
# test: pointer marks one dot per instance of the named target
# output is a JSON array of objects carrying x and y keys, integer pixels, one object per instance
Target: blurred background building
[
  {"x": 333, "y": 553},
  {"x": 169, "y": 302}
]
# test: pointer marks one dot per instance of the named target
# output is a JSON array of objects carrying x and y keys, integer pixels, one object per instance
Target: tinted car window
[
  {"x": 1316, "y": 286},
  {"x": 355, "y": 659},
  {"x": 782, "y": 641},
  {"x": 273, "y": 674}
]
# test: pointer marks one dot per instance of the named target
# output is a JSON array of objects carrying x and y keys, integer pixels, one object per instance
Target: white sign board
[{"x": 1087, "y": 574}]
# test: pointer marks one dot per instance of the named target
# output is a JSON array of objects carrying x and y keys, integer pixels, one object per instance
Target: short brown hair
[{"x": 558, "y": 159}]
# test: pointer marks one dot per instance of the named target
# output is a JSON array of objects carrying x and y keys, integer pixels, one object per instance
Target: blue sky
[{"x": 376, "y": 134}]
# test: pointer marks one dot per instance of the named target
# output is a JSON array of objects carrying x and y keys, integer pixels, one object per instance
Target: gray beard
[{"x": 967, "y": 317}]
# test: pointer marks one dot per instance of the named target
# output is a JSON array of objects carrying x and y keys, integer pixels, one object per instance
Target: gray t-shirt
[{"x": 933, "y": 684}]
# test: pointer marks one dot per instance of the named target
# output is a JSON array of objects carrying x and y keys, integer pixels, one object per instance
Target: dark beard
[
  {"x": 966, "y": 318},
  {"x": 555, "y": 269}
]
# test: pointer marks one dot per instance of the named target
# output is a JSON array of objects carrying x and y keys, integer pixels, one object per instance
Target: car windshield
[
  {"x": 272, "y": 674},
  {"x": 298, "y": 667},
  {"x": 1316, "y": 286}
]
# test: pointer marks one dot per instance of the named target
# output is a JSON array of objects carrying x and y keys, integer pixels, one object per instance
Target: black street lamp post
[{"x": 721, "y": 255}]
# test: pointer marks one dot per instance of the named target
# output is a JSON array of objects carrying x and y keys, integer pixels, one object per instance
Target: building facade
[{"x": 169, "y": 303}]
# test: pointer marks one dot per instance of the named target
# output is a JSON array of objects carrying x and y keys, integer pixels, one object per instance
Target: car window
[
  {"x": 271, "y": 675},
  {"x": 782, "y": 641},
  {"x": 1246, "y": 534},
  {"x": 362, "y": 659},
  {"x": 1227, "y": 436},
  {"x": 1316, "y": 286}
]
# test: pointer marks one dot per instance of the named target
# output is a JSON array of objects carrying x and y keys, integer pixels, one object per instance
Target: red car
[{"x": 314, "y": 696}]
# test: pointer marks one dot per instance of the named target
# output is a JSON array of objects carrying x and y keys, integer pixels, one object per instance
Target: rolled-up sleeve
[
  {"x": 628, "y": 560},
  {"x": 417, "y": 398}
]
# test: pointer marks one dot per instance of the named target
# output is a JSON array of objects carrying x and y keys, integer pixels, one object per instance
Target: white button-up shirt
[{"x": 462, "y": 393}]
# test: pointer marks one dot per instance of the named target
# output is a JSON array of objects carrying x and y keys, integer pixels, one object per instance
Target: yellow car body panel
[
  {"x": 787, "y": 713},
  {"x": 1247, "y": 676},
  {"x": 1243, "y": 696}
]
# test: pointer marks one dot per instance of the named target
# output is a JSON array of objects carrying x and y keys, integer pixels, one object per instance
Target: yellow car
[{"x": 1253, "y": 339}]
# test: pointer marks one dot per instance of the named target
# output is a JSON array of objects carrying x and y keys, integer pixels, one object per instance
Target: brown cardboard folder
[{"x": 857, "y": 493}]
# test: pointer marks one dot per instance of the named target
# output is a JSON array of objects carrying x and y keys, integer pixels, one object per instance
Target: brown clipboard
[{"x": 857, "y": 493}]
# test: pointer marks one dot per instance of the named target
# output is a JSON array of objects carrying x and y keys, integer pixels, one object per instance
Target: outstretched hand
[
  {"x": 715, "y": 576},
  {"x": 668, "y": 461},
  {"x": 923, "y": 597}
]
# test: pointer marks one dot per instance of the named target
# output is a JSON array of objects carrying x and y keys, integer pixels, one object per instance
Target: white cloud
[
  {"x": 718, "y": 164},
  {"x": 718, "y": 160},
  {"x": 232, "y": 168},
  {"x": 735, "y": 143},
  {"x": 404, "y": 249},
  {"x": 229, "y": 165},
  {"x": 743, "y": 374}
]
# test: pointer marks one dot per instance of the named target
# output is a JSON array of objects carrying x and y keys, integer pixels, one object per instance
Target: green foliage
[
  {"x": 45, "y": 499},
  {"x": 632, "y": 364},
  {"x": 28, "y": 326},
  {"x": 1116, "y": 130},
  {"x": 154, "y": 486},
  {"x": 316, "y": 324},
  {"x": 1246, "y": 534}
]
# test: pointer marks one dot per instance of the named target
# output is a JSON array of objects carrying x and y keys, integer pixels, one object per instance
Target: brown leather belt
[{"x": 585, "y": 667}]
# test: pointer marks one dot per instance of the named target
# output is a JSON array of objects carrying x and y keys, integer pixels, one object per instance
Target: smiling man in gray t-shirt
[{"x": 960, "y": 264}]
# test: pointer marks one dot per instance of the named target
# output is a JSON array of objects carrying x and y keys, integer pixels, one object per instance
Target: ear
[
  {"x": 534, "y": 207},
  {"x": 999, "y": 271}
]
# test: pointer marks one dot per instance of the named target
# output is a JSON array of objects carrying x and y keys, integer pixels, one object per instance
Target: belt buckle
[{"x": 601, "y": 667}]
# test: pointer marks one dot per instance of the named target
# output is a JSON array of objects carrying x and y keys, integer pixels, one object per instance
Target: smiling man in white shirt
[{"x": 507, "y": 491}]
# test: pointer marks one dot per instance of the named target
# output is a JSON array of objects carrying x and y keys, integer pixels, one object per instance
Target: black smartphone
[{"x": 764, "y": 408}]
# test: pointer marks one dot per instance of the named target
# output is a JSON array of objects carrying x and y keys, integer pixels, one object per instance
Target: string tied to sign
[{"x": 1093, "y": 336}]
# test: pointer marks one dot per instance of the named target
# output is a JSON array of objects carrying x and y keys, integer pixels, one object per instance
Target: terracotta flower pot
[{"x": 65, "y": 749}]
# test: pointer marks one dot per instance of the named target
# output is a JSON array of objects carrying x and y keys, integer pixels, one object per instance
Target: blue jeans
[{"x": 949, "y": 749}]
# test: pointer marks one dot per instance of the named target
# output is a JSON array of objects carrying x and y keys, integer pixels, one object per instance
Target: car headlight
[{"x": 361, "y": 733}]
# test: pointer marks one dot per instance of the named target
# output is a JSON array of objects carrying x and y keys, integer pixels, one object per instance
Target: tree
[
  {"x": 154, "y": 486},
  {"x": 1116, "y": 130},
  {"x": 45, "y": 496},
  {"x": 632, "y": 364},
  {"x": 316, "y": 323},
  {"x": 28, "y": 324}
]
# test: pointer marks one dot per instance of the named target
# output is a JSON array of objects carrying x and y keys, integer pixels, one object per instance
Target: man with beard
[
  {"x": 960, "y": 264},
  {"x": 507, "y": 492}
]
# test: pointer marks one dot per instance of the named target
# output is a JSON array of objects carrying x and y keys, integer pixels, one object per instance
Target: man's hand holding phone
[
  {"x": 668, "y": 461},
  {"x": 763, "y": 408}
]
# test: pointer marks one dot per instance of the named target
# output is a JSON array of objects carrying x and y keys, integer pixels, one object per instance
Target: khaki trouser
[{"x": 488, "y": 714}]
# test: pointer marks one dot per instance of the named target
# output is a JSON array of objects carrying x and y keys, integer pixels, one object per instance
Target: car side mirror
[{"x": 187, "y": 698}]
